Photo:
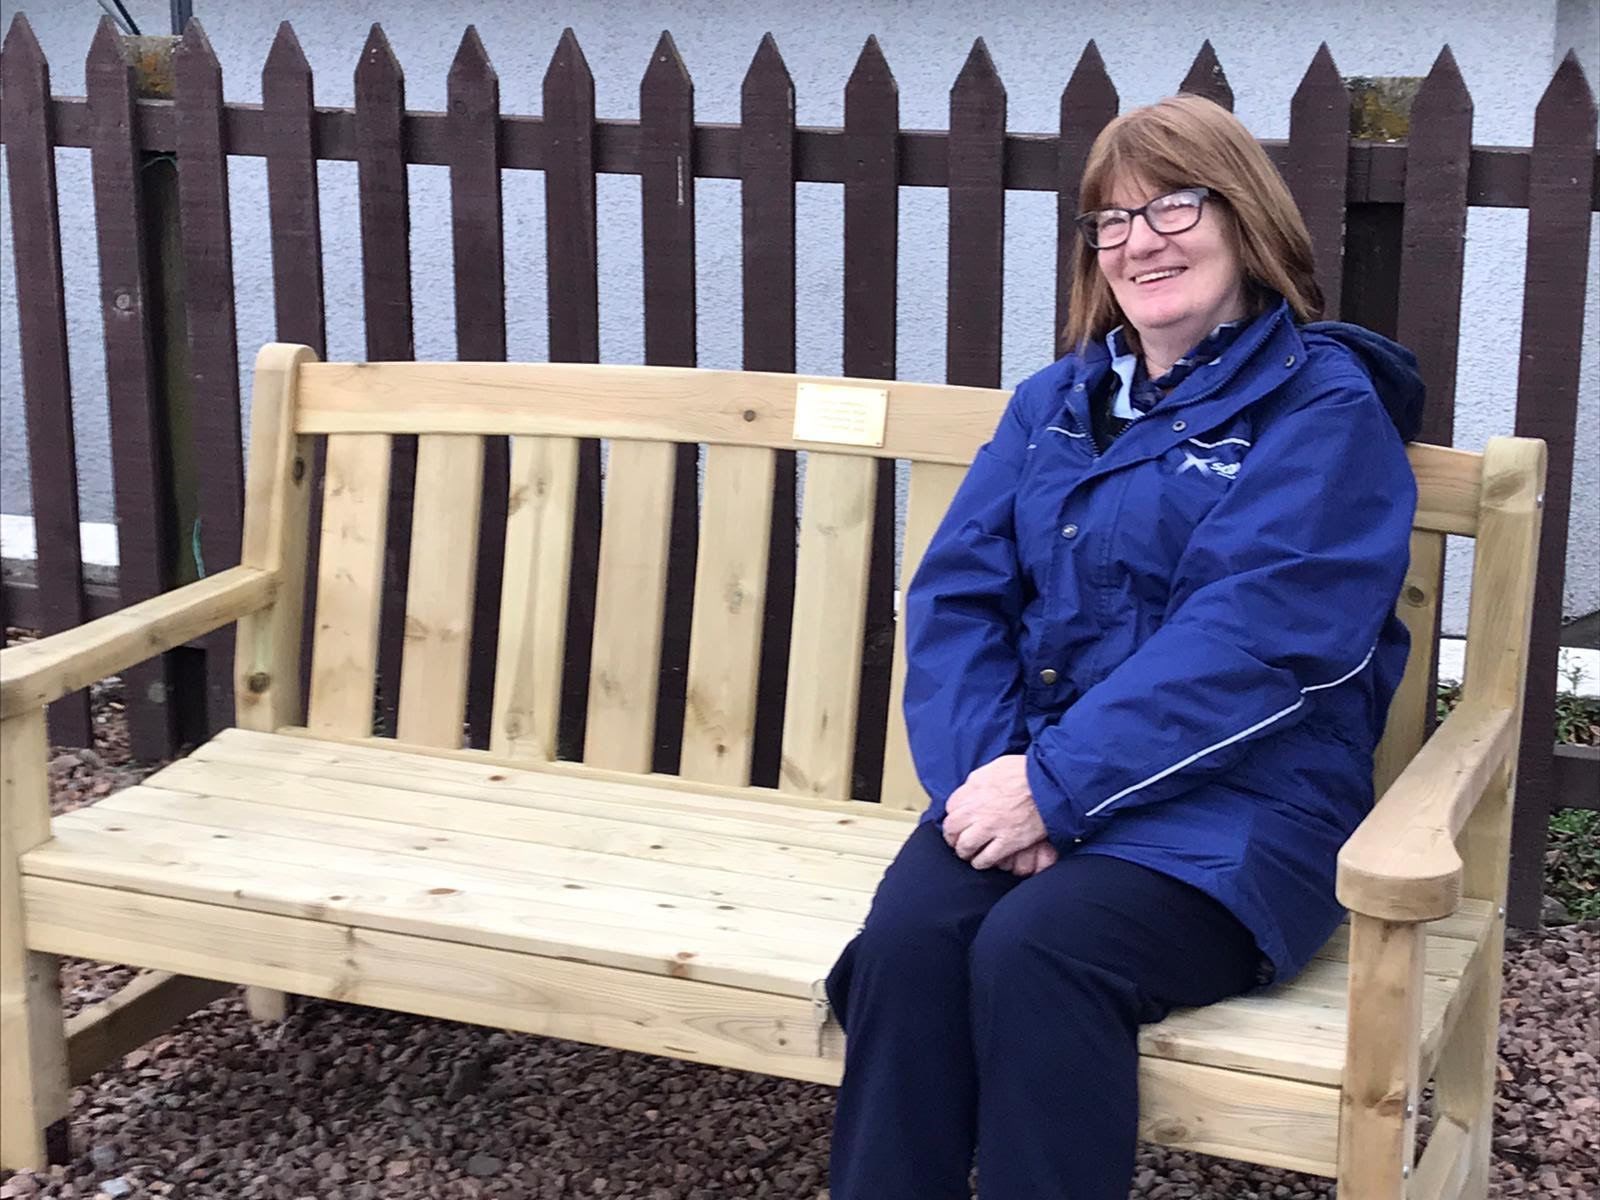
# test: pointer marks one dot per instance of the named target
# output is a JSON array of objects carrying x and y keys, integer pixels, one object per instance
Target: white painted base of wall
[
  {"x": 1577, "y": 670},
  {"x": 97, "y": 540}
]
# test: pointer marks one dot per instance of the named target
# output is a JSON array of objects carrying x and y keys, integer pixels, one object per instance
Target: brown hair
[{"x": 1189, "y": 141}]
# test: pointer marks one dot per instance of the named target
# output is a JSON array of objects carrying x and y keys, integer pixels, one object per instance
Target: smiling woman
[
  {"x": 1223, "y": 220},
  {"x": 1172, "y": 289},
  {"x": 1149, "y": 653}
]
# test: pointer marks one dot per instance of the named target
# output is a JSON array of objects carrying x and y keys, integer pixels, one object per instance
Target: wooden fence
[{"x": 1388, "y": 221}]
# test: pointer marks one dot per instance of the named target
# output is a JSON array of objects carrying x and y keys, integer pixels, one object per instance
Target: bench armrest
[
  {"x": 1401, "y": 863},
  {"x": 34, "y": 674}
]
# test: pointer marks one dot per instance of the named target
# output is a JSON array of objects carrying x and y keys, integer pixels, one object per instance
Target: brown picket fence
[{"x": 1388, "y": 221}]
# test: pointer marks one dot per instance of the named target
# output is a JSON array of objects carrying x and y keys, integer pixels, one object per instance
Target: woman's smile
[{"x": 1151, "y": 278}]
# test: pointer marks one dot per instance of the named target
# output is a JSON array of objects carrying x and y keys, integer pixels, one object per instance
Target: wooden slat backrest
[
  {"x": 1418, "y": 607},
  {"x": 742, "y": 418},
  {"x": 344, "y": 656},
  {"x": 630, "y": 604},
  {"x": 441, "y": 590},
  {"x": 830, "y": 621},
  {"x": 730, "y": 594},
  {"x": 533, "y": 603},
  {"x": 933, "y": 486}
]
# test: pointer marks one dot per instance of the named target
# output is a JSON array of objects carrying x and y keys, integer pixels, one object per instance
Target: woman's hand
[
  {"x": 992, "y": 816},
  {"x": 1032, "y": 860}
]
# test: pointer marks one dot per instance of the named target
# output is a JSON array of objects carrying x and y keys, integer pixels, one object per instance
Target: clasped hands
[{"x": 992, "y": 821}]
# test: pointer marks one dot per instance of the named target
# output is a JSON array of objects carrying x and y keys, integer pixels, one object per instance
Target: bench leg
[
  {"x": 1377, "y": 1106},
  {"x": 33, "y": 1065},
  {"x": 33, "y": 1078},
  {"x": 1465, "y": 1078},
  {"x": 266, "y": 1004}
]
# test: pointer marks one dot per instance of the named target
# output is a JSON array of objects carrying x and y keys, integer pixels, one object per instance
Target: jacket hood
[{"x": 1392, "y": 368}]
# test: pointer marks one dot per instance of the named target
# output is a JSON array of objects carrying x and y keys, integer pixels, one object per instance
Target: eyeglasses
[{"x": 1175, "y": 212}]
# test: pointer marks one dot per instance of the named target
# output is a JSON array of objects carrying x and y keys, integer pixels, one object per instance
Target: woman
[{"x": 1151, "y": 648}]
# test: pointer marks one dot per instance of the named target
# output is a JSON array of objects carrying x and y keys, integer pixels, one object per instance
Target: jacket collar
[
  {"x": 1263, "y": 357},
  {"x": 1137, "y": 393},
  {"x": 1271, "y": 334}
]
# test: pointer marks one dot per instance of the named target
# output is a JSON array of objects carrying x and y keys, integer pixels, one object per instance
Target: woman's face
[{"x": 1174, "y": 287}]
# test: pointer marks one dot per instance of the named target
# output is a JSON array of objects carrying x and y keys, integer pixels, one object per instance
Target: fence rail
[
  {"x": 1387, "y": 220},
  {"x": 1497, "y": 176}
]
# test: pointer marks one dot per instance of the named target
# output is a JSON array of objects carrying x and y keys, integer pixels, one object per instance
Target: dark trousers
[{"x": 1000, "y": 1016}]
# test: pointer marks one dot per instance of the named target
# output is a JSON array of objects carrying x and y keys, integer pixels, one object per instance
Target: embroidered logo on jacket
[{"x": 1226, "y": 470}]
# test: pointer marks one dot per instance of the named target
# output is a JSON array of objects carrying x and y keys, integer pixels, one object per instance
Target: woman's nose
[{"x": 1141, "y": 238}]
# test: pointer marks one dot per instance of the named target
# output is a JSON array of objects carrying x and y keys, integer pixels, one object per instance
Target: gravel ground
[{"x": 357, "y": 1104}]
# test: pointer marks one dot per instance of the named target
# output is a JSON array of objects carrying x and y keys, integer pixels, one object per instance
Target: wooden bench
[{"x": 688, "y": 916}]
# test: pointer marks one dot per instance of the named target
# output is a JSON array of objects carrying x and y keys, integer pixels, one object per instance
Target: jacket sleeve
[
  {"x": 963, "y": 610},
  {"x": 1282, "y": 591}
]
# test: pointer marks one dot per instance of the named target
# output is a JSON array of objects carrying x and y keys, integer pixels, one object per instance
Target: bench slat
[
  {"x": 401, "y": 871},
  {"x": 730, "y": 600},
  {"x": 830, "y": 614},
  {"x": 1448, "y": 485},
  {"x": 450, "y": 901},
  {"x": 630, "y": 605},
  {"x": 616, "y": 854},
  {"x": 441, "y": 591},
  {"x": 355, "y": 511},
  {"x": 940, "y": 423},
  {"x": 1297, "y": 1030},
  {"x": 1418, "y": 606},
  {"x": 926, "y": 421},
  {"x": 533, "y": 597},
  {"x": 626, "y": 836},
  {"x": 632, "y": 1010},
  {"x": 933, "y": 486},
  {"x": 641, "y": 804}
]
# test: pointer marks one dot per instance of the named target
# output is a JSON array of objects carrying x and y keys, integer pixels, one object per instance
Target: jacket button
[
  {"x": 1069, "y": 531},
  {"x": 1048, "y": 676},
  {"x": 1077, "y": 387},
  {"x": 1179, "y": 426}
]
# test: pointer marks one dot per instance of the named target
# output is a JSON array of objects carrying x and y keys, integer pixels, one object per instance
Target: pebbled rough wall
[{"x": 1506, "y": 53}]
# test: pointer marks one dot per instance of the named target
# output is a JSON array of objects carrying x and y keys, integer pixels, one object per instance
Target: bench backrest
[{"x": 742, "y": 419}]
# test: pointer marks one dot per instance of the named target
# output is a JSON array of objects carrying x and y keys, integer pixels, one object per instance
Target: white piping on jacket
[
  {"x": 1223, "y": 442},
  {"x": 1068, "y": 432},
  {"x": 1243, "y": 733}
]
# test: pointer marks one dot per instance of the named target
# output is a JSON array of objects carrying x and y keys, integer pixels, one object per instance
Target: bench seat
[{"x": 454, "y": 884}]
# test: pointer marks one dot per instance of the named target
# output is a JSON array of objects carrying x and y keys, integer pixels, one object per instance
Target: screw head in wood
[{"x": 259, "y": 682}]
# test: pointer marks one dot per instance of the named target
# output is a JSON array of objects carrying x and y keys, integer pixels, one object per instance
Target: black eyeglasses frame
[{"x": 1084, "y": 221}]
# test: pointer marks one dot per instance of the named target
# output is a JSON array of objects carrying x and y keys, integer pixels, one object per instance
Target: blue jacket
[{"x": 1192, "y": 635}]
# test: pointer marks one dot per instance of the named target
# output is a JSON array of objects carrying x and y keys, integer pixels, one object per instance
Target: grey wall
[{"x": 1505, "y": 52}]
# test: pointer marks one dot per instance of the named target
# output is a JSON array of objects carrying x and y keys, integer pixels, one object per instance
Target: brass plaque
[{"x": 840, "y": 413}]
